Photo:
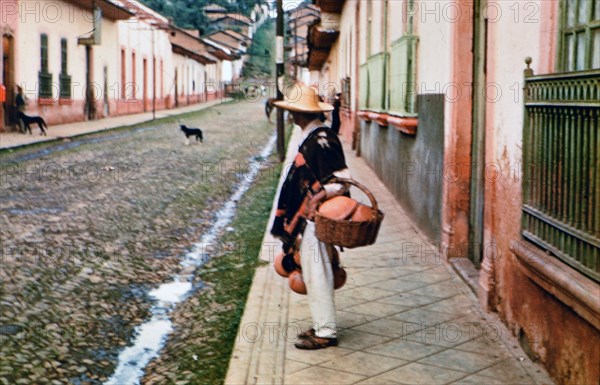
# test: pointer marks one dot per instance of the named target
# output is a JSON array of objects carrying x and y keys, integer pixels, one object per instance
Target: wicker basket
[{"x": 346, "y": 233}]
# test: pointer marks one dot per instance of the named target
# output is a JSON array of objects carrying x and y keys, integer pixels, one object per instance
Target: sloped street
[{"x": 88, "y": 226}]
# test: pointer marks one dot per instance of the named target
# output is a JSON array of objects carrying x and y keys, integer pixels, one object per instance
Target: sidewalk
[
  {"x": 15, "y": 139},
  {"x": 404, "y": 318}
]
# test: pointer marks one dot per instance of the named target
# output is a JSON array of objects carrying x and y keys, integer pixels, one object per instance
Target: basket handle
[{"x": 360, "y": 187}]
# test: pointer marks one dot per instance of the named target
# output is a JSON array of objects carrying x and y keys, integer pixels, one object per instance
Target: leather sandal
[
  {"x": 309, "y": 333},
  {"x": 314, "y": 342}
]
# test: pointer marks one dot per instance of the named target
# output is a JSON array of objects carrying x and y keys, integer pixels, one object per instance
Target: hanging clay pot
[{"x": 297, "y": 283}]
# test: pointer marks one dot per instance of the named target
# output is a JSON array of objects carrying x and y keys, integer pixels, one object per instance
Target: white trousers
[{"x": 318, "y": 277}]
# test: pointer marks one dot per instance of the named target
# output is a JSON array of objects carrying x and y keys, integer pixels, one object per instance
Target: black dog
[
  {"x": 192, "y": 132},
  {"x": 28, "y": 120}
]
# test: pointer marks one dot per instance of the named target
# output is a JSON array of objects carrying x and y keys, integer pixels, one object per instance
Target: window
[
  {"x": 402, "y": 75},
  {"x": 44, "y": 53},
  {"x": 388, "y": 78},
  {"x": 45, "y": 78},
  {"x": 346, "y": 100},
  {"x": 580, "y": 33},
  {"x": 64, "y": 78}
]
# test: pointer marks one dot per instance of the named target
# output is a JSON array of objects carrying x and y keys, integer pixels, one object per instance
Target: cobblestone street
[{"x": 89, "y": 225}]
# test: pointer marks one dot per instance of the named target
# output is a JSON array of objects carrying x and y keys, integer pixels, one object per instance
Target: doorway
[
  {"x": 8, "y": 80},
  {"x": 476, "y": 206},
  {"x": 145, "y": 68},
  {"x": 176, "y": 90}
]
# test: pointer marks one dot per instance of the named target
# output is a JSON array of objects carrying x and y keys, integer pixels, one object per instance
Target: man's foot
[
  {"x": 314, "y": 342},
  {"x": 309, "y": 333}
]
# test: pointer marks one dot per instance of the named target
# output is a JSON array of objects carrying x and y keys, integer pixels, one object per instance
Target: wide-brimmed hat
[{"x": 301, "y": 98}]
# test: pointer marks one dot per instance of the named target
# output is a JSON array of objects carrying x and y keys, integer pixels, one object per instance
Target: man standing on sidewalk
[{"x": 320, "y": 158}]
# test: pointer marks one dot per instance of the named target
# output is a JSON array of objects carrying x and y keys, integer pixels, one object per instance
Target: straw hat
[{"x": 301, "y": 98}]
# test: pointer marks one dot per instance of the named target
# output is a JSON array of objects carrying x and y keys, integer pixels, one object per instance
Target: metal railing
[
  {"x": 561, "y": 154},
  {"x": 45, "y": 80},
  {"x": 65, "y": 86}
]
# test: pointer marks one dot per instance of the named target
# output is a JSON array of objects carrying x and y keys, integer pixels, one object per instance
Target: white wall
[
  {"x": 59, "y": 20},
  {"x": 190, "y": 75},
  {"x": 226, "y": 71},
  {"x": 141, "y": 38},
  {"x": 434, "y": 49},
  {"x": 505, "y": 77}
]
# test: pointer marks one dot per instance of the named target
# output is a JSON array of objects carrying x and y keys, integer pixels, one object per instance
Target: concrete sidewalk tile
[
  {"x": 292, "y": 366},
  {"x": 459, "y": 303},
  {"x": 476, "y": 379},
  {"x": 411, "y": 300},
  {"x": 380, "y": 381},
  {"x": 421, "y": 316},
  {"x": 315, "y": 357},
  {"x": 366, "y": 293},
  {"x": 461, "y": 360},
  {"x": 362, "y": 363},
  {"x": 359, "y": 278},
  {"x": 376, "y": 309},
  {"x": 319, "y": 375},
  {"x": 385, "y": 327},
  {"x": 441, "y": 290},
  {"x": 449, "y": 334},
  {"x": 509, "y": 370},
  {"x": 386, "y": 261},
  {"x": 417, "y": 374},
  {"x": 347, "y": 319},
  {"x": 428, "y": 276},
  {"x": 485, "y": 345},
  {"x": 379, "y": 247},
  {"x": 398, "y": 285},
  {"x": 400, "y": 271},
  {"x": 405, "y": 349},
  {"x": 357, "y": 340},
  {"x": 343, "y": 301},
  {"x": 359, "y": 263}
]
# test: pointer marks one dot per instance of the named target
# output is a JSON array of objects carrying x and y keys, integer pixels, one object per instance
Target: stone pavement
[
  {"x": 405, "y": 317},
  {"x": 15, "y": 139}
]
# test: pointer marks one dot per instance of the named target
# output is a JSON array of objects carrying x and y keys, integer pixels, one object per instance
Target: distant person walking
[{"x": 335, "y": 115}]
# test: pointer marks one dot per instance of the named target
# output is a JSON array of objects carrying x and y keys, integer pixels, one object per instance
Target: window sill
[
  {"x": 65, "y": 101},
  {"x": 406, "y": 125},
  {"x": 45, "y": 101},
  {"x": 569, "y": 286},
  {"x": 364, "y": 115},
  {"x": 381, "y": 119}
]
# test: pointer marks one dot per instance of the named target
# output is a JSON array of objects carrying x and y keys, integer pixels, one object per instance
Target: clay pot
[
  {"x": 297, "y": 283},
  {"x": 278, "y": 265},
  {"x": 362, "y": 214},
  {"x": 339, "y": 277},
  {"x": 339, "y": 208},
  {"x": 297, "y": 259},
  {"x": 284, "y": 264}
]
